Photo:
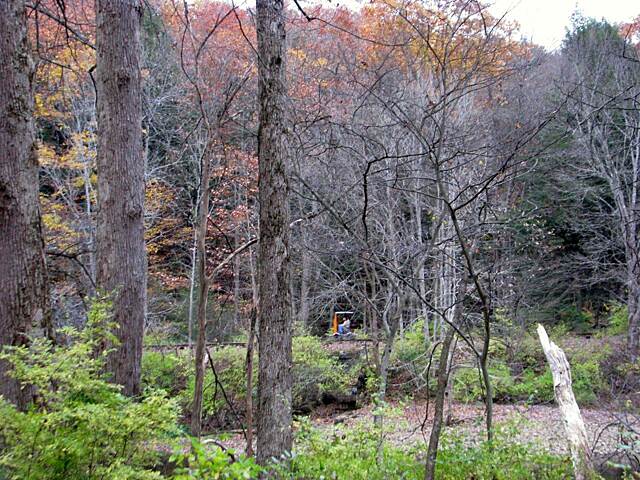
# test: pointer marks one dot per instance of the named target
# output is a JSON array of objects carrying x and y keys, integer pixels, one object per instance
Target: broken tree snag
[{"x": 571, "y": 417}]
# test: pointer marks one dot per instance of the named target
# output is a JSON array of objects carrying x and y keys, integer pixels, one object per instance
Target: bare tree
[{"x": 603, "y": 113}]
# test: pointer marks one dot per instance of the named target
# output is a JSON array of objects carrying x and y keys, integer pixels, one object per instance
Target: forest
[{"x": 391, "y": 239}]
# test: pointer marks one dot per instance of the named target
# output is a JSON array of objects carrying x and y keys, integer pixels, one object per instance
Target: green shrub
[
  {"x": 587, "y": 381},
  {"x": 528, "y": 353},
  {"x": 352, "y": 455},
  {"x": 575, "y": 319},
  {"x": 349, "y": 455},
  {"x": 315, "y": 370},
  {"x": 410, "y": 360},
  {"x": 207, "y": 463},
  {"x": 618, "y": 319},
  {"x": 80, "y": 426},
  {"x": 503, "y": 459},
  {"x": 229, "y": 363},
  {"x": 497, "y": 349},
  {"x": 412, "y": 346},
  {"x": 533, "y": 386},
  {"x": 165, "y": 371},
  {"x": 469, "y": 387}
]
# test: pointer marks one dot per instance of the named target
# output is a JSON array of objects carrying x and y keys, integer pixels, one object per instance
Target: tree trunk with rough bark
[
  {"x": 571, "y": 417},
  {"x": 23, "y": 296},
  {"x": 121, "y": 252},
  {"x": 274, "y": 341}
]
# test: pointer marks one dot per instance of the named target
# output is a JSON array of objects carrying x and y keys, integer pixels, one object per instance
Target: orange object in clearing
[{"x": 338, "y": 318}]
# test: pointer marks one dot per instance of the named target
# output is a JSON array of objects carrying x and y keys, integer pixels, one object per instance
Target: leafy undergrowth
[
  {"x": 601, "y": 372},
  {"x": 79, "y": 426},
  {"x": 358, "y": 453},
  {"x": 315, "y": 371}
]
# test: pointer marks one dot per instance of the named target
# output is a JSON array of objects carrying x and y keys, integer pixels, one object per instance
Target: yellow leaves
[
  {"x": 62, "y": 82},
  {"x": 157, "y": 196},
  {"x": 79, "y": 156},
  {"x": 163, "y": 229},
  {"x": 47, "y": 156},
  {"x": 58, "y": 230},
  {"x": 297, "y": 54}
]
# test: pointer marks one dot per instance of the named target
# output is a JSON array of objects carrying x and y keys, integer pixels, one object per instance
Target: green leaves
[
  {"x": 79, "y": 425},
  {"x": 207, "y": 462}
]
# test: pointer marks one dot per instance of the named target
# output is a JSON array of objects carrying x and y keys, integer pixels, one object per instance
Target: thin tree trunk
[
  {"x": 203, "y": 294},
  {"x": 391, "y": 329},
  {"x": 274, "y": 379},
  {"x": 633, "y": 307},
  {"x": 441, "y": 389},
  {"x": 236, "y": 266},
  {"x": 571, "y": 417},
  {"x": 249, "y": 373},
  {"x": 23, "y": 296},
  {"x": 305, "y": 286},
  {"x": 121, "y": 252},
  {"x": 192, "y": 288}
]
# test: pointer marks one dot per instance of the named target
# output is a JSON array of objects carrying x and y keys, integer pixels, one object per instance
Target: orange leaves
[
  {"x": 461, "y": 38},
  {"x": 212, "y": 41}
]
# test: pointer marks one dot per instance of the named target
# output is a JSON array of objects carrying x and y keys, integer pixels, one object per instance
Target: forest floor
[{"x": 540, "y": 424}]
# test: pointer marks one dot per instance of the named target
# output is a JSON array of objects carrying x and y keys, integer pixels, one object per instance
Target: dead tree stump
[{"x": 571, "y": 417}]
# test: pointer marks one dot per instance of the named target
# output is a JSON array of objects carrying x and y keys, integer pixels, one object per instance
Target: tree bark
[
  {"x": 633, "y": 305},
  {"x": 274, "y": 377},
  {"x": 443, "y": 390},
  {"x": 249, "y": 374},
  {"x": 121, "y": 253},
  {"x": 23, "y": 279},
  {"x": 438, "y": 416},
  {"x": 571, "y": 417},
  {"x": 203, "y": 294}
]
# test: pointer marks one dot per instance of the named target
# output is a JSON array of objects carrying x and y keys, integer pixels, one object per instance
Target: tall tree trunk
[
  {"x": 121, "y": 253},
  {"x": 203, "y": 293},
  {"x": 274, "y": 341},
  {"x": 23, "y": 296},
  {"x": 305, "y": 286},
  {"x": 192, "y": 288}
]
